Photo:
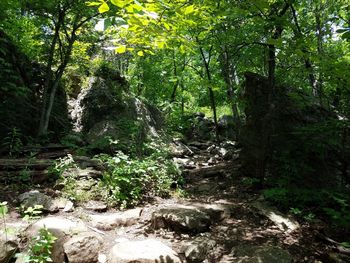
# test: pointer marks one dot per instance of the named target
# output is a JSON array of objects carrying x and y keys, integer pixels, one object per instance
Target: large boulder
[
  {"x": 142, "y": 251},
  {"x": 62, "y": 228},
  {"x": 34, "y": 197},
  {"x": 108, "y": 115},
  {"x": 192, "y": 218},
  {"x": 226, "y": 126},
  {"x": 181, "y": 219},
  {"x": 82, "y": 248}
]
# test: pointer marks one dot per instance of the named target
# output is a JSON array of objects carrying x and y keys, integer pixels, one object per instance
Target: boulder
[
  {"x": 113, "y": 220},
  {"x": 142, "y": 251},
  {"x": 197, "y": 250},
  {"x": 33, "y": 198},
  {"x": 106, "y": 113},
  {"x": 261, "y": 254},
  {"x": 181, "y": 219},
  {"x": 82, "y": 248},
  {"x": 178, "y": 149},
  {"x": 283, "y": 222},
  {"x": 62, "y": 228},
  {"x": 8, "y": 247},
  {"x": 227, "y": 127}
]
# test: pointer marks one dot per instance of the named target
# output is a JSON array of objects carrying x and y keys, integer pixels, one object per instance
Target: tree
[{"x": 62, "y": 22}]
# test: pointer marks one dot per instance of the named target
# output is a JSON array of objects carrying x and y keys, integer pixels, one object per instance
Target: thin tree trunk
[
  {"x": 231, "y": 79},
  {"x": 319, "y": 50},
  {"x": 56, "y": 82},
  {"x": 307, "y": 62},
  {"x": 211, "y": 92},
  {"x": 48, "y": 76}
]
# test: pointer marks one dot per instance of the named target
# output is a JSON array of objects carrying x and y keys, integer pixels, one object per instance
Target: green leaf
[
  {"x": 189, "y": 10},
  {"x": 120, "y": 49},
  {"x": 92, "y": 3},
  {"x": 103, "y": 8},
  {"x": 140, "y": 53},
  {"x": 121, "y": 3}
]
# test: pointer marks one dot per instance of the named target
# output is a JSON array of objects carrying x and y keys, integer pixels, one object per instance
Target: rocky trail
[{"x": 220, "y": 220}]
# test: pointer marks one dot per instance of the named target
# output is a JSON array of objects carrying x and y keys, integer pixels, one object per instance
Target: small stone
[{"x": 69, "y": 207}]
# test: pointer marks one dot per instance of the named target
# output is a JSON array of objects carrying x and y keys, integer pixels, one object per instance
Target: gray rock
[
  {"x": 58, "y": 226},
  {"x": 261, "y": 254},
  {"x": 8, "y": 247},
  {"x": 61, "y": 228},
  {"x": 97, "y": 206},
  {"x": 144, "y": 251},
  {"x": 78, "y": 173},
  {"x": 181, "y": 219},
  {"x": 283, "y": 222},
  {"x": 113, "y": 220},
  {"x": 178, "y": 149},
  {"x": 197, "y": 250},
  {"x": 82, "y": 248},
  {"x": 32, "y": 198}
]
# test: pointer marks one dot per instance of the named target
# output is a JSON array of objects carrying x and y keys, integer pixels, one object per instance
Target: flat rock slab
[
  {"x": 283, "y": 222},
  {"x": 113, "y": 220},
  {"x": 93, "y": 205},
  {"x": 261, "y": 254},
  {"x": 143, "y": 251},
  {"x": 182, "y": 218},
  {"x": 58, "y": 226}
]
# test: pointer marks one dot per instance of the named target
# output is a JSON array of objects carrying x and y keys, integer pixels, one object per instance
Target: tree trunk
[
  {"x": 210, "y": 89},
  {"x": 231, "y": 79},
  {"x": 48, "y": 76},
  {"x": 47, "y": 111},
  {"x": 307, "y": 62}
]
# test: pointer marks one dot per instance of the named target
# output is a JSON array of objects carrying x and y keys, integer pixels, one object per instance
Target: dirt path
[{"x": 220, "y": 219}]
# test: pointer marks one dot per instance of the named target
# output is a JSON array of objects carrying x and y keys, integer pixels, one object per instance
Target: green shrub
[
  {"x": 41, "y": 247},
  {"x": 129, "y": 180}
]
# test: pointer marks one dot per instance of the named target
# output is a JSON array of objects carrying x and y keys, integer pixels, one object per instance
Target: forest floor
[{"x": 243, "y": 227}]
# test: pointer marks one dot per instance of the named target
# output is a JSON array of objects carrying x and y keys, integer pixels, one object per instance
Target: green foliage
[
  {"x": 61, "y": 165},
  {"x": 13, "y": 142},
  {"x": 3, "y": 209},
  {"x": 308, "y": 204},
  {"x": 41, "y": 247},
  {"x": 129, "y": 180},
  {"x": 31, "y": 213}
]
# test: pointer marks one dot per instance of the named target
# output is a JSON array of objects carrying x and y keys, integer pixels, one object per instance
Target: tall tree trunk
[
  {"x": 231, "y": 80},
  {"x": 319, "y": 84},
  {"x": 267, "y": 120},
  {"x": 210, "y": 89},
  {"x": 50, "y": 101},
  {"x": 48, "y": 75},
  {"x": 307, "y": 62}
]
